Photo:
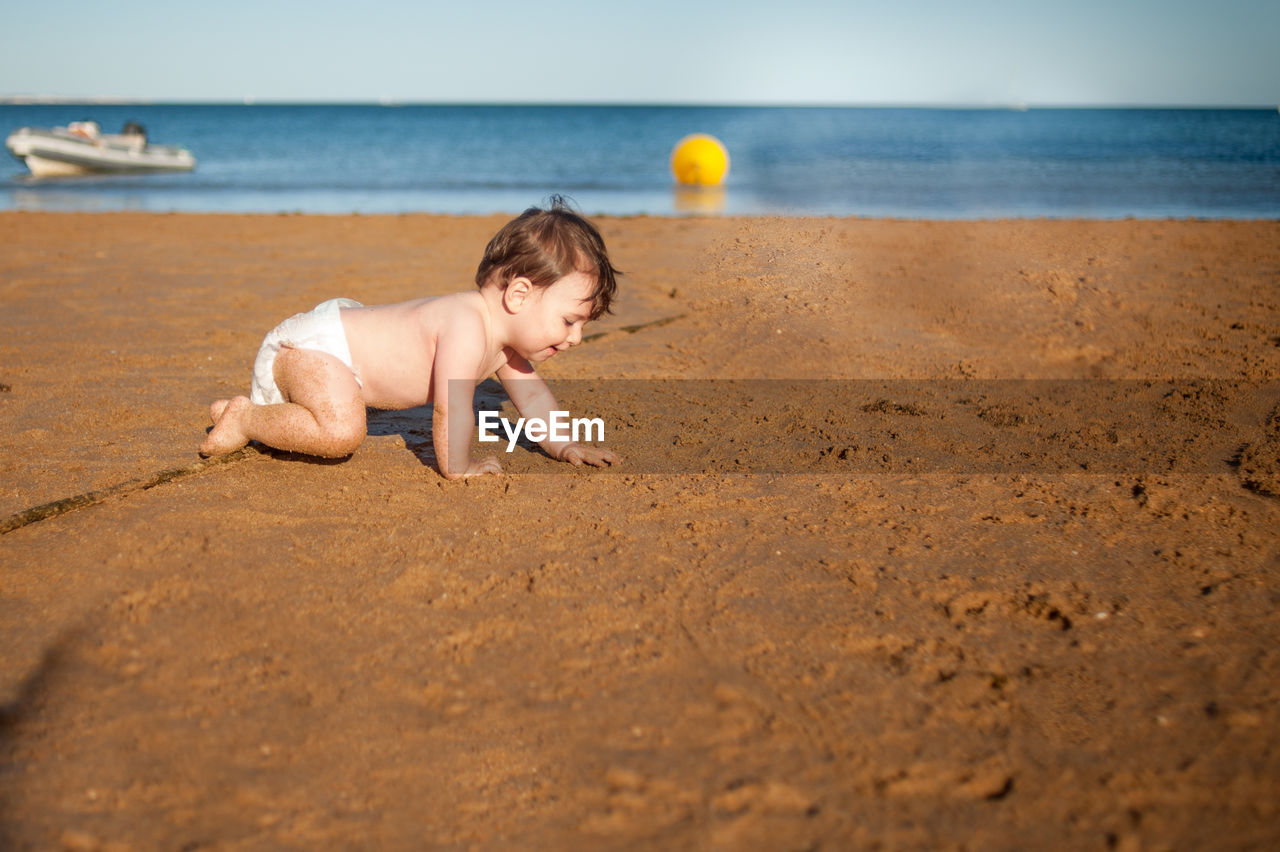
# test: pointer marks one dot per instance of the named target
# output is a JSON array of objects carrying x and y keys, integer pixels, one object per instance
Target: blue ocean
[{"x": 910, "y": 163}]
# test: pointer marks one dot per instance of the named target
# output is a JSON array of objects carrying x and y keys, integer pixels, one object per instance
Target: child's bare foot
[
  {"x": 226, "y": 436},
  {"x": 216, "y": 408}
]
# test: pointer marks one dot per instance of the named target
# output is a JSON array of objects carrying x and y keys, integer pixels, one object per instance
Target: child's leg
[{"x": 324, "y": 414}]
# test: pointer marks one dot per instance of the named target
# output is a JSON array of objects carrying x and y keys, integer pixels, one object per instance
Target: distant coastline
[
  {"x": 249, "y": 100},
  {"x": 58, "y": 100}
]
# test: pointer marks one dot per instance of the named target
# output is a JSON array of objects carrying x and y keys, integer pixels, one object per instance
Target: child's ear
[{"x": 517, "y": 293}]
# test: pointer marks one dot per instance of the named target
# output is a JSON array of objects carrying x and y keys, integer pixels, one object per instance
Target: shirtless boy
[{"x": 544, "y": 275}]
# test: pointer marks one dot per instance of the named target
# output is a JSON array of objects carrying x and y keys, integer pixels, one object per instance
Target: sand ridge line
[
  {"x": 632, "y": 329},
  {"x": 92, "y": 498}
]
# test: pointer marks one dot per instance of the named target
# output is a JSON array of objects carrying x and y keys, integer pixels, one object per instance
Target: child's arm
[
  {"x": 532, "y": 398},
  {"x": 459, "y": 351}
]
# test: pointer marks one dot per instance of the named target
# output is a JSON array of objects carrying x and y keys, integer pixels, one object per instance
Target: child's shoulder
[
  {"x": 436, "y": 310},
  {"x": 456, "y": 318},
  {"x": 464, "y": 309}
]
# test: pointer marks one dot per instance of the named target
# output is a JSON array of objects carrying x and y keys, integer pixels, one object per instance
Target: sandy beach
[{"x": 928, "y": 618}]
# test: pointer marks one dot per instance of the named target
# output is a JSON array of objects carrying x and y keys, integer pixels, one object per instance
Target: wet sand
[{"x": 840, "y": 652}]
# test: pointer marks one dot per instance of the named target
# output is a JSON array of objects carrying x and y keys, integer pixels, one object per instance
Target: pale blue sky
[{"x": 973, "y": 52}]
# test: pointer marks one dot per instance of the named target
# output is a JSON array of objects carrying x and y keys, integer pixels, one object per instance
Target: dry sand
[{"x": 842, "y": 653}]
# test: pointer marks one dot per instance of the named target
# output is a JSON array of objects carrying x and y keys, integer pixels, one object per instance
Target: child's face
[{"x": 553, "y": 317}]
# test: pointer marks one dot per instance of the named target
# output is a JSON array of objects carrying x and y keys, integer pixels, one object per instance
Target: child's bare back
[
  {"x": 393, "y": 347},
  {"x": 543, "y": 277}
]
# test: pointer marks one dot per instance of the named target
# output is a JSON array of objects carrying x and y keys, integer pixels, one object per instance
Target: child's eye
[{"x": 567, "y": 321}]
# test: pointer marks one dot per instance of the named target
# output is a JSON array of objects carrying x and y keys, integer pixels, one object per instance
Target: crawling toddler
[{"x": 543, "y": 276}]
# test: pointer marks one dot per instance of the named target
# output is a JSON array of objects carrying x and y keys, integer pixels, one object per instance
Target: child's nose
[{"x": 575, "y": 335}]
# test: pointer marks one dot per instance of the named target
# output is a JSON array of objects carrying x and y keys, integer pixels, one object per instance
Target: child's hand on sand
[
  {"x": 486, "y": 465},
  {"x": 580, "y": 454}
]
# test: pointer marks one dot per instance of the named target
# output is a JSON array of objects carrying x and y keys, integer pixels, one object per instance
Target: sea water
[{"x": 912, "y": 163}]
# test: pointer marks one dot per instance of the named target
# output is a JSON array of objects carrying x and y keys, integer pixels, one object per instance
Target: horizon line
[{"x": 391, "y": 103}]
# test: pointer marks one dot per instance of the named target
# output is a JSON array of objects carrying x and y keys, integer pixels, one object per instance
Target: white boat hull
[
  {"x": 40, "y": 167},
  {"x": 60, "y": 153}
]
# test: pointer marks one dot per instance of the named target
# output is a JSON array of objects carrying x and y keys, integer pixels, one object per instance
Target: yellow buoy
[{"x": 699, "y": 160}]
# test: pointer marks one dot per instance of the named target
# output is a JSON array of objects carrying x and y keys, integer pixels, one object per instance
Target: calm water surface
[{"x": 914, "y": 163}]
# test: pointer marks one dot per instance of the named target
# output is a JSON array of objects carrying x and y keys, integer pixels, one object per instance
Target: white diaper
[{"x": 319, "y": 329}]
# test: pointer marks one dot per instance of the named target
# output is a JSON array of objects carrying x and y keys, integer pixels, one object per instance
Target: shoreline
[{"x": 696, "y": 217}]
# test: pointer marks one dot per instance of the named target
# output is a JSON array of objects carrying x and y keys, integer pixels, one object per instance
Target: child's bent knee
[
  {"x": 346, "y": 443},
  {"x": 337, "y": 449},
  {"x": 342, "y": 436}
]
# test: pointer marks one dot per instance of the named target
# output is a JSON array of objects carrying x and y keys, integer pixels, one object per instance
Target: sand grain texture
[{"x": 281, "y": 653}]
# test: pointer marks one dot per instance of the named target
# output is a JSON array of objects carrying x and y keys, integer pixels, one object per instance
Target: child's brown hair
[{"x": 545, "y": 246}]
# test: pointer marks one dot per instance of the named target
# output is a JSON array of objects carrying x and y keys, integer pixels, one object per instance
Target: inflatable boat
[{"x": 82, "y": 148}]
